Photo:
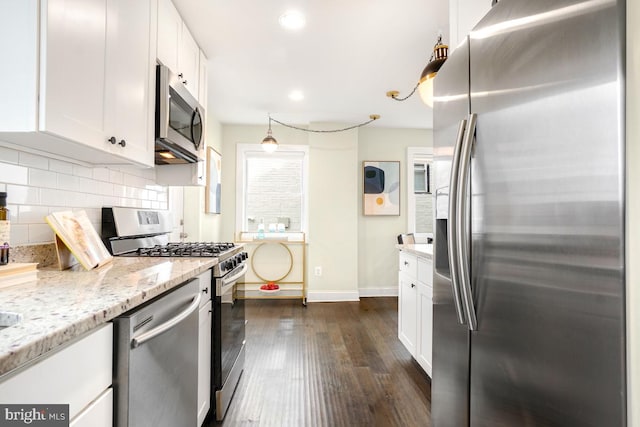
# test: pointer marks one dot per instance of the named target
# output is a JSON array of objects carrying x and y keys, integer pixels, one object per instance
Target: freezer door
[
  {"x": 450, "y": 379},
  {"x": 547, "y": 184}
]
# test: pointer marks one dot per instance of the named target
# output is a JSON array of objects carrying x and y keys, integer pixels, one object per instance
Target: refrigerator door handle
[
  {"x": 461, "y": 220},
  {"x": 452, "y": 242}
]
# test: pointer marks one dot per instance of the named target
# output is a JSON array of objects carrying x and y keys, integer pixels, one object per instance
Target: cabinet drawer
[
  {"x": 408, "y": 264},
  {"x": 425, "y": 271},
  {"x": 74, "y": 375},
  {"x": 98, "y": 414}
]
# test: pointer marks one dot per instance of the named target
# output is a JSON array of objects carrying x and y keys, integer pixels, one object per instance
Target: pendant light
[
  {"x": 269, "y": 143},
  {"x": 425, "y": 84}
]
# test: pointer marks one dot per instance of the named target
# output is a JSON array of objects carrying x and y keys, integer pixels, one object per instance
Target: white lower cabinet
[
  {"x": 204, "y": 362},
  {"x": 79, "y": 374},
  {"x": 425, "y": 328},
  {"x": 415, "y": 307},
  {"x": 205, "y": 317},
  {"x": 407, "y": 326},
  {"x": 99, "y": 413}
]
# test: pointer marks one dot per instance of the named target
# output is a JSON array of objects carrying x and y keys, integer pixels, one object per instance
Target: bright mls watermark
[{"x": 34, "y": 415}]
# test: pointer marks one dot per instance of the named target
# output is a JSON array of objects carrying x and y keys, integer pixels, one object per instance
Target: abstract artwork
[
  {"x": 212, "y": 193},
  {"x": 381, "y": 188}
]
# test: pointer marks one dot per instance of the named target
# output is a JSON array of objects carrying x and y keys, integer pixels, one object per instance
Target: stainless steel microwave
[{"x": 179, "y": 121}]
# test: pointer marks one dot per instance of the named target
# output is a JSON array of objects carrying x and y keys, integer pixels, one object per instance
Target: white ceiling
[{"x": 349, "y": 54}]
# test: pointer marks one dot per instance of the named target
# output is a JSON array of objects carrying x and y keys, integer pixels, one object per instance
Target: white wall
[
  {"x": 633, "y": 213},
  {"x": 333, "y": 214},
  {"x": 377, "y": 256},
  {"x": 37, "y": 186},
  {"x": 463, "y": 16}
]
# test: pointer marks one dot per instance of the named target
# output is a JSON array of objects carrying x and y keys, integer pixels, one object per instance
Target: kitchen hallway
[{"x": 329, "y": 364}]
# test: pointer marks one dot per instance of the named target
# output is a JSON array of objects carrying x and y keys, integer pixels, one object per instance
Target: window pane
[{"x": 274, "y": 189}]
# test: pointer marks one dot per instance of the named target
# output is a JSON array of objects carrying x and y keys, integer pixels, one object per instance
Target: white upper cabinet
[
  {"x": 202, "y": 84},
  {"x": 169, "y": 34},
  {"x": 189, "y": 62},
  {"x": 177, "y": 49},
  {"x": 87, "y": 78},
  {"x": 130, "y": 98},
  {"x": 73, "y": 75}
]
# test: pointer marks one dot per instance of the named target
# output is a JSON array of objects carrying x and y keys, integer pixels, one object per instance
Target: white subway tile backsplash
[
  {"x": 13, "y": 212},
  {"x": 19, "y": 234},
  {"x": 101, "y": 174},
  {"x": 37, "y": 186},
  {"x": 82, "y": 171},
  {"x": 7, "y": 155},
  {"x": 23, "y": 195},
  {"x": 116, "y": 177},
  {"x": 52, "y": 197},
  {"x": 105, "y": 188},
  {"x": 32, "y": 214},
  {"x": 13, "y": 174},
  {"x": 40, "y": 233},
  {"x": 68, "y": 182},
  {"x": 42, "y": 178},
  {"x": 60, "y": 166},
  {"x": 33, "y": 161}
]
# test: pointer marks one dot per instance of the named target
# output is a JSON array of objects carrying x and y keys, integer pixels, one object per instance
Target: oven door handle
[
  {"x": 227, "y": 280},
  {"x": 142, "y": 338}
]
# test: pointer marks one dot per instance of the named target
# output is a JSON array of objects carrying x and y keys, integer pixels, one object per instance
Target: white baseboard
[
  {"x": 378, "y": 292},
  {"x": 332, "y": 296}
]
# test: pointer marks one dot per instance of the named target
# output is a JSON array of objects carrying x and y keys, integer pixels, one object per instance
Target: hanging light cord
[
  {"x": 372, "y": 118},
  {"x": 393, "y": 94}
]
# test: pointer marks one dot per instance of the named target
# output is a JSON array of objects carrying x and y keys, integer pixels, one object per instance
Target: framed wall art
[
  {"x": 212, "y": 193},
  {"x": 381, "y": 187}
]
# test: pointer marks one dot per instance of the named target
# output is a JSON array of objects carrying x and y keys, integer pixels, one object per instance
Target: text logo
[{"x": 34, "y": 415}]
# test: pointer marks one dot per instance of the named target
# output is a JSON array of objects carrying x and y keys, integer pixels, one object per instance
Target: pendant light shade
[
  {"x": 269, "y": 143},
  {"x": 425, "y": 86}
]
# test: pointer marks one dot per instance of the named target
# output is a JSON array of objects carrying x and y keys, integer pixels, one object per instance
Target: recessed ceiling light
[
  {"x": 296, "y": 95},
  {"x": 292, "y": 20}
]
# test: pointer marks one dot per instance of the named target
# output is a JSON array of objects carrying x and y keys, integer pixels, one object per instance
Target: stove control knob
[{"x": 245, "y": 255}]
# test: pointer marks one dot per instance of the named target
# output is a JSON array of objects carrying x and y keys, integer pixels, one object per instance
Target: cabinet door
[
  {"x": 425, "y": 326},
  {"x": 73, "y": 70},
  {"x": 169, "y": 33},
  {"x": 98, "y": 413},
  {"x": 202, "y": 84},
  {"x": 189, "y": 61},
  {"x": 129, "y": 96},
  {"x": 204, "y": 362},
  {"x": 407, "y": 323}
]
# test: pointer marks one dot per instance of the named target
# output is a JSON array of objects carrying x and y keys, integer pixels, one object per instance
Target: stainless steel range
[{"x": 134, "y": 232}]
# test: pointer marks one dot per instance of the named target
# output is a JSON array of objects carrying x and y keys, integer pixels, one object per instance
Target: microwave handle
[{"x": 196, "y": 113}]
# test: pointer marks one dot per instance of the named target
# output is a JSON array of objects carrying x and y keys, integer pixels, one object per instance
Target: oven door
[{"x": 229, "y": 338}]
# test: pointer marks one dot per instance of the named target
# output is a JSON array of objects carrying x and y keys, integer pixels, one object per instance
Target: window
[
  {"x": 420, "y": 200},
  {"x": 421, "y": 177},
  {"x": 272, "y": 187}
]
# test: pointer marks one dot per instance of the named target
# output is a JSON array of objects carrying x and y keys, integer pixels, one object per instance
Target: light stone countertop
[
  {"x": 62, "y": 305},
  {"x": 423, "y": 250}
]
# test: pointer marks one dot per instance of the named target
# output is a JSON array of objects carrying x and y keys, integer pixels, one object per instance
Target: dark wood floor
[{"x": 329, "y": 364}]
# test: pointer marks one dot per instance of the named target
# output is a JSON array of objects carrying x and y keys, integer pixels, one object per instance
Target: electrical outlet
[{"x": 318, "y": 271}]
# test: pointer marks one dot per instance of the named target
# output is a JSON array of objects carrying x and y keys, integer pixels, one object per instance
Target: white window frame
[
  {"x": 415, "y": 155},
  {"x": 241, "y": 181}
]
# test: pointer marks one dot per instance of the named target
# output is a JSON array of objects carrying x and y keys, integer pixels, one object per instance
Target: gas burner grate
[{"x": 197, "y": 249}]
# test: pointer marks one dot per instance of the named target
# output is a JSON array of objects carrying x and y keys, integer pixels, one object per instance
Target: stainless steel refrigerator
[{"x": 529, "y": 304}]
